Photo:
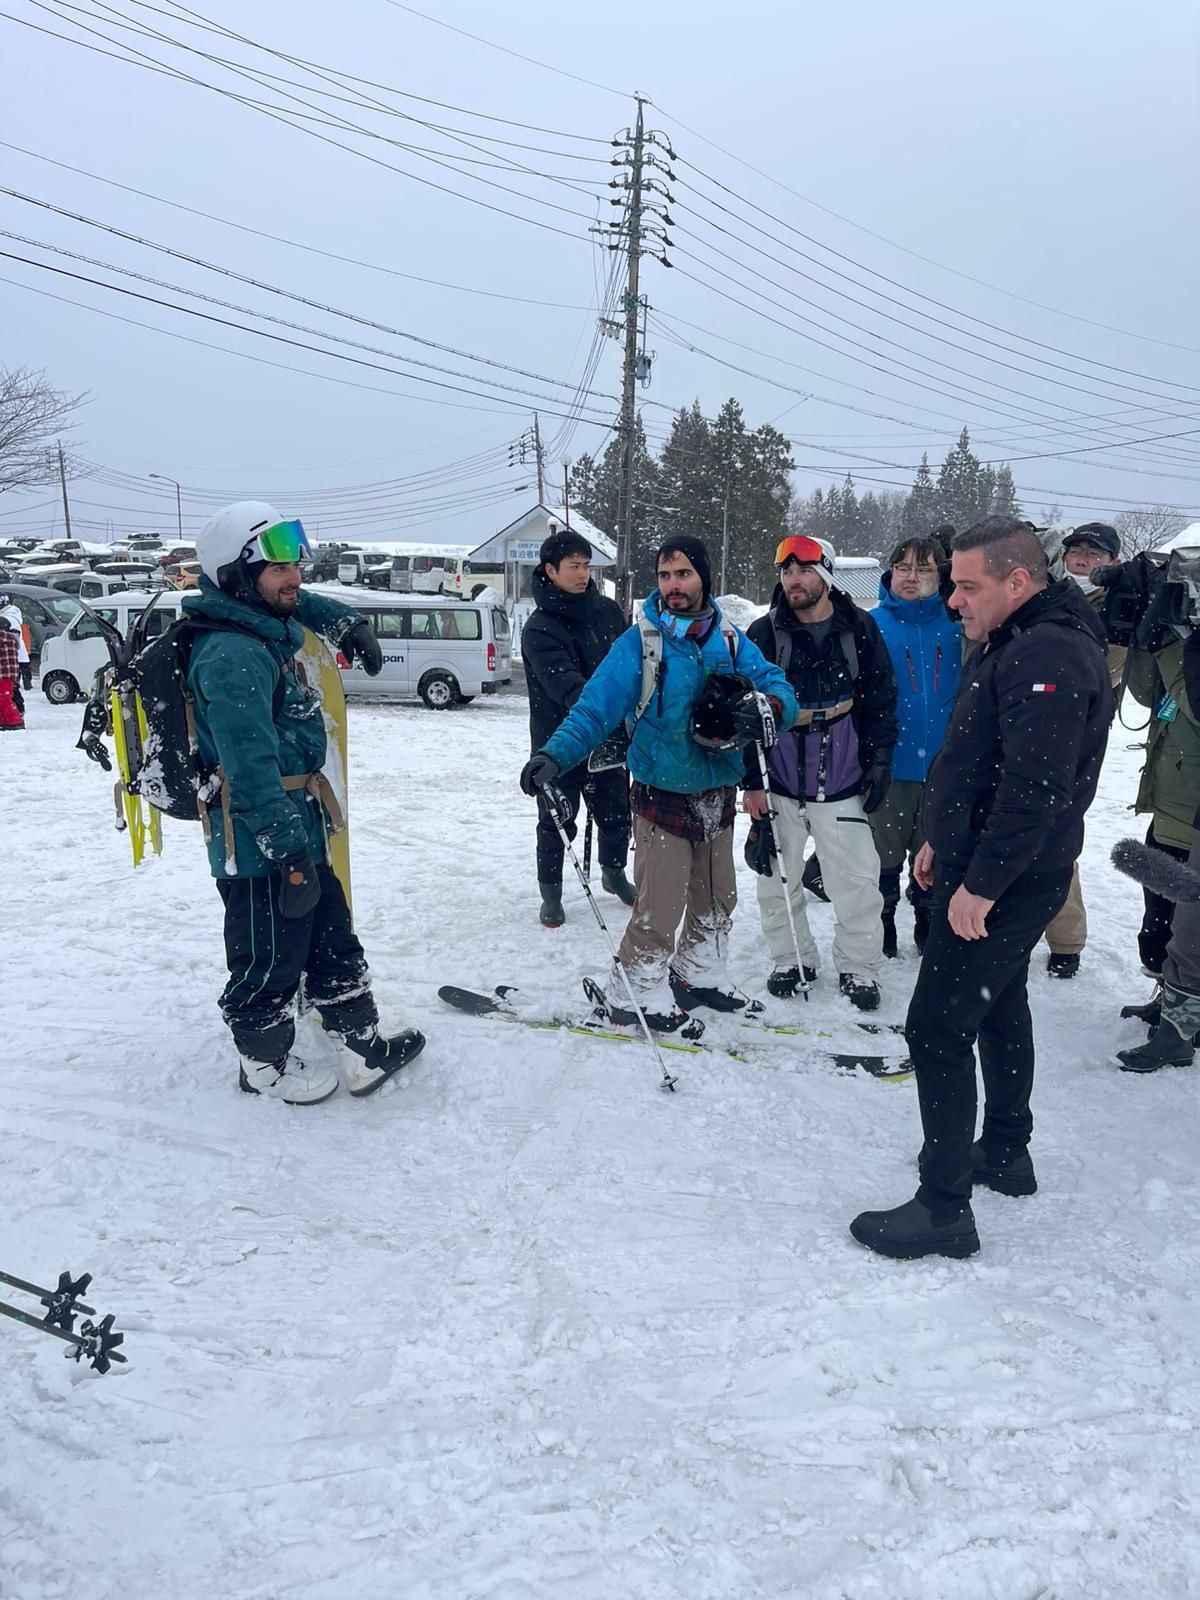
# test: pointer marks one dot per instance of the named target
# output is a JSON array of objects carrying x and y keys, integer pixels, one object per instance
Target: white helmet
[{"x": 224, "y": 536}]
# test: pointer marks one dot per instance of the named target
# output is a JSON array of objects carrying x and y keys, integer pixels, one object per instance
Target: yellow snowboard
[{"x": 321, "y": 671}]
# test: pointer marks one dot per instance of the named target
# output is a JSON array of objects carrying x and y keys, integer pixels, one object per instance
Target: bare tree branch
[
  {"x": 1146, "y": 527},
  {"x": 32, "y": 417}
]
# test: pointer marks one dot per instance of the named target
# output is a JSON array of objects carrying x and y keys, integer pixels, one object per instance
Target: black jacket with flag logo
[{"x": 1019, "y": 767}]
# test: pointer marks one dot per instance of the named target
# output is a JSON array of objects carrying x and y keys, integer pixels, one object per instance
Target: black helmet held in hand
[{"x": 714, "y": 723}]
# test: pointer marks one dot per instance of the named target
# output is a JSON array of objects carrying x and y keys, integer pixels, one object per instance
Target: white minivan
[
  {"x": 72, "y": 658},
  {"x": 445, "y": 651}
]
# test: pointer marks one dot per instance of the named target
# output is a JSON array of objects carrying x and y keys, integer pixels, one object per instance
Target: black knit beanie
[{"x": 697, "y": 554}]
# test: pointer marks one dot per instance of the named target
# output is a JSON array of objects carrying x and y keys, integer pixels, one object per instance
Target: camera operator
[{"x": 1151, "y": 606}]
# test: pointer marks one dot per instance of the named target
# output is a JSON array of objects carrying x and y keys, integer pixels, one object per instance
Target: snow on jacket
[
  {"x": 925, "y": 645},
  {"x": 662, "y": 752},
  {"x": 1021, "y": 759},
  {"x": 821, "y": 678},
  {"x": 256, "y": 718},
  {"x": 562, "y": 644}
]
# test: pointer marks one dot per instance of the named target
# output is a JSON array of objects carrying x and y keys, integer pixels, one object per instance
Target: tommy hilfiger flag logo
[{"x": 1043, "y": 688}]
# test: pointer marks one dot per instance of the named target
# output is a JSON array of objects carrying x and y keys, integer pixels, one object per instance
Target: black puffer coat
[{"x": 562, "y": 644}]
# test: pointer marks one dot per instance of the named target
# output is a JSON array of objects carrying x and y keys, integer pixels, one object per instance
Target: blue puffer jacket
[
  {"x": 256, "y": 719},
  {"x": 662, "y": 753},
  {"x": 926, "y": 651}
]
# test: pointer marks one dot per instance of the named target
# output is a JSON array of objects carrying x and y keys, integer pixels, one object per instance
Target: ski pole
[
  {"x": 783, "y": 877},
  {"x": 61, "y": 1303},
  {"x": 554, "y": 801}
]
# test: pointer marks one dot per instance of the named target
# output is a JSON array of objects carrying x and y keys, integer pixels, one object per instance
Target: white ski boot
[
  {"x": 368, "y": 1063},
  {"x": 291, "y": 1080}
]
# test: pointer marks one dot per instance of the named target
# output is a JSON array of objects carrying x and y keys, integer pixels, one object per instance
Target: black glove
[
  {"x": 876, "y": 783},
  {"x": 760, "y": 847},
  {"x": 538, "y": 771},
  {"x": 299, "y": 886},
  {"x": 360, "y": 640},
  {"x": 754, "y": 719}
]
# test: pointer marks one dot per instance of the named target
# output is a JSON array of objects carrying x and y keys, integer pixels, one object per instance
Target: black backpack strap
[{"x": 850, "y": 651}]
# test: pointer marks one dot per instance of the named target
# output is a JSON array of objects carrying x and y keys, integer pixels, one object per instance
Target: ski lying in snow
[{"x": 498, "y": 1005}]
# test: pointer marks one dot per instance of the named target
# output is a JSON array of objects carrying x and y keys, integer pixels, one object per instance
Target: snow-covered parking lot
[{"x": 522, "y": 1325}]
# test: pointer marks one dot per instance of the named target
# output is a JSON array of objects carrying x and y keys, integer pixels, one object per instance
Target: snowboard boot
[
  {"x": 690, "y": 995},
  {"x": 1012, "y": 1176},
  {"x": 1062, "y": 966},
  {"x": 551, "y": 914},
  {"x": 812, "y": 880},
  {"x": 913, "y": 1230},
  {"x": 614, "y": 880},
  {"x": 862, "y": 993},
  {"x": 921, "y": 916},
  {"x": 1172, "y": 1042},
  {"x": 371, "y": 1059},
  {"x": 888, "y": 919},
  {"x": 291, "y": 1080},
  {"x": 674, "y": 1021},
  {"x": 784, "y": 982}
]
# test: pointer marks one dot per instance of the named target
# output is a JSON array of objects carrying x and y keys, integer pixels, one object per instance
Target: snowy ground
[{"x": 523, "y": 1326}]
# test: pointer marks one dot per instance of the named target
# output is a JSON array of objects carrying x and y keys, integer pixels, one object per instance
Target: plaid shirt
[
  {"x": 9, "y": 653},
  {"x": 687, "y": 816}
]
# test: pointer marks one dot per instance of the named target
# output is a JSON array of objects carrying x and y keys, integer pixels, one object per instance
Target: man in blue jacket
[
  {"x": 260, "y": 726},
  {"x": 685, "y": 777},
  {"x": 926, "y": 650}
]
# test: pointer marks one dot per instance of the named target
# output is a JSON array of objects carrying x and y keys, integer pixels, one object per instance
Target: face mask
[
  {"x": 1083, "y": 579},
  {"x": 927, "y": 584}
]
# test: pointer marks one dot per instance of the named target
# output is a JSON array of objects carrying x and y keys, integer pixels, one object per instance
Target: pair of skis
[
  {"x": 95, "y": 1341},
  {"x": 503, "y": 1005}
]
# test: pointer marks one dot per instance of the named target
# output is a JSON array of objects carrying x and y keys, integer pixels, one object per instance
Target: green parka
[
  {"x": 1170, "y": 784},
  {"x": 258, "y": 721}
]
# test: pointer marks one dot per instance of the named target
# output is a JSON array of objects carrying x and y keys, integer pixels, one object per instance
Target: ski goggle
[
  {"x": 802, "y": 549},
  {"x": 282, "y": 542}
]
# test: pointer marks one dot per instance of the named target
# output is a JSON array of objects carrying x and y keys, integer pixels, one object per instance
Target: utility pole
[
  {"x": 643, "y": 224},
  {"x": 725, "y": 539},
  {"x": 162, "y": 478},
  {"x": 62, "y": 478},
  {"x": 538, "y": 460},
  {"x": 566, "y": 493}
]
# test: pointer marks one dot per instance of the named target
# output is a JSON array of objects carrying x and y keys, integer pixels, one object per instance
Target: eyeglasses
[
  {"x": 909, "y": 571},
  {"x": 282, "y": 543}
]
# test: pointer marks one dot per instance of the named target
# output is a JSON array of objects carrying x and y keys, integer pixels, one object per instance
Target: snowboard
[
  {"x": 500, "y": 1006},
  {"x": 322, "y": 675}
]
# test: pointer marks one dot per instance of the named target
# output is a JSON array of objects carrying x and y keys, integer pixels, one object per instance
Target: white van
[
  {"x": 445, "y": 651},
  {"x": 416, "y": 572},
  {"x": 72, "y": 659},
  {"x": 468, "y": 579},
  {"x": 370, "y": 567}
]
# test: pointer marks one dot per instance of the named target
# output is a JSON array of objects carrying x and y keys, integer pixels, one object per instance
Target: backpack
[
  {"x": 654, "y": 667},
  {"x": 783, "y": 650}
]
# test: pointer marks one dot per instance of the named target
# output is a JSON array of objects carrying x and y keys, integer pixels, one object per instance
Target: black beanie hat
[{"x": 696, "y": 553}]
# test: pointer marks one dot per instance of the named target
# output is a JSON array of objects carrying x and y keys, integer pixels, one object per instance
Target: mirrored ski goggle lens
[
  {"x": 281, "y": 542},
  {"x": 807, "y": 551}
]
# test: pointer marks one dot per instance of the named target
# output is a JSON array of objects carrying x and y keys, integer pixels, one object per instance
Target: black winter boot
[
  {"x": 1013, "y": 1176},
  {"x": 861, "y": 992},
  {"x": 910, "y": 1231},
  {"x": 1172, "y": 1042},
  {"x": 1059, "y": 966},
  {"x": 888, "y": 918},
  {"x": 784, "y": 982},
  {"x": 552, "y": 914},
  {"x": 613, "y": 879},
  {"x": 920, "y": 926}
]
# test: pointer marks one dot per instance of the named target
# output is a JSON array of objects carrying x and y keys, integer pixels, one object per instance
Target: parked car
[
  {"x": 65, "y": 575},
  {"x": 444, "y": 651},
  {"x": 371, "y": 569},
  {"x": 461, "y": 577},
  {"x": 72, "y": 659},
  {"x": 47, "y": 611},
  {"x": 323, "y": 568}
]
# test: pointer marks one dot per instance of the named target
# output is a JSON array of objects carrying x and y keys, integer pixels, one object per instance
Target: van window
[
  {"x": 399, "y": 563},
  {"x": 500, "y": 626},
  {"x": 388, "y": 624},
  {"x": 423, "y": 564},
  {"x": 445, "y": 623}
]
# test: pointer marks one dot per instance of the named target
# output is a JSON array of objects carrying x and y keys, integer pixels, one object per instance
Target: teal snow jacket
[
  {"x": 257, "y": 720},
  {"x": 662, "y": 752}
]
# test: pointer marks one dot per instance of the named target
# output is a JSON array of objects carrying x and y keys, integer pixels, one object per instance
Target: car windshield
[{"x": 64, "y": 607}]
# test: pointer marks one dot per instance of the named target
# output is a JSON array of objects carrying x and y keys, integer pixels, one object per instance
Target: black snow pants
[
  {"x": 268, "y": 956},
  {"x": 971, "y": 989},
  {"x": 607, "y": 796}
]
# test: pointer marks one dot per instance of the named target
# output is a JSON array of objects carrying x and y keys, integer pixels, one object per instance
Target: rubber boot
[
  {"x": 1170, "y": 1045},
  {"x": 613, "y": 879},
  {"x": 910, "y": 1231},
  {"x": 551, "y": 914}
]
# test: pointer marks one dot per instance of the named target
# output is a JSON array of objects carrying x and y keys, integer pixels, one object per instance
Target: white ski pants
[{"x": 850, "y": 872}]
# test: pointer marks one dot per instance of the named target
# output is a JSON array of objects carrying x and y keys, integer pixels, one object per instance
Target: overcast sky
[{"x": 1047, "y": 150}]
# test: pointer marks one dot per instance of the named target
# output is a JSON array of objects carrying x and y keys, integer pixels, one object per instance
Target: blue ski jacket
[
  {"x": 926, "y": 650},
  {"x": 662, "y": 752},
  {"x": 258, "y": 721}
]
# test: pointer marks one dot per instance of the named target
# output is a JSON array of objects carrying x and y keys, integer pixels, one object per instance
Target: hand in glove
[
  {"x": 754, "y": 718},
  {"x": 876, "y": 783},
  {"x": 360, "y": 641},
  {"x": 299, "y": 886},
  {"x": 760, "y": 848},
  {"x": 538, "y": 771}
]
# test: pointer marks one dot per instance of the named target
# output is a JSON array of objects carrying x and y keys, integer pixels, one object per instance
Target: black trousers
[
  {"x": 268, "y": 956},
  {"x": 607, "y": 796},
  {"x": 971, "y": 989},
  {"x": 1155, "y": 932}
]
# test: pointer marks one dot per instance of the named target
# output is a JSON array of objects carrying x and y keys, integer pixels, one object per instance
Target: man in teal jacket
[
  {"x": 685, "y": 774},
  {"x": 286, "y": 917}
]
